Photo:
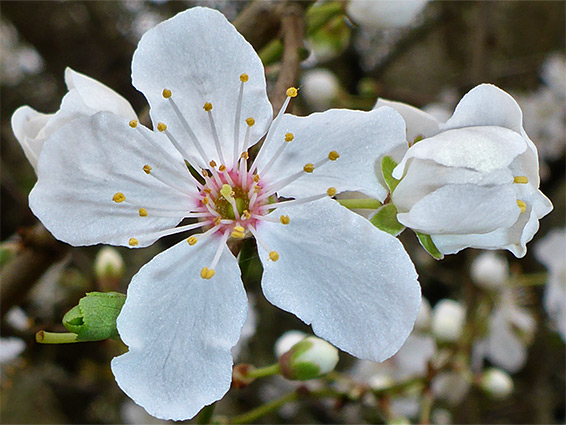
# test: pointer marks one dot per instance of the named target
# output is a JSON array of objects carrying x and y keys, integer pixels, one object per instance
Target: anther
[
  {"x": 244, "y": 155},
  {"x": 308, "y": 168},
  {"x": 274, "y": 256},
  {"x": 238, "y": 232},
  {"x": 212, "y": 164},
  {"x": 133, "y": 242},
  {"x": 250, "y": 121},
  {"x": 147, "y": 169},
  {"x": 207, "y": 190},
  {"x": 284, "y": 219},
  {"x": 331, "y": 191},
  {"x": 522, "y": 205},
  {"x": 207, "y": 107},
  {"x": 133, "y": 123},
  {"x": 289, "y": 137},
  {"x": 142, "y": 212},
  {"x": 246, "y": 214},
  {"x": 333, "y": 156},
  {"x": 206, "y": 273},
  {"x": 119, "y": 197},
  {"x": 166, "y": 93},
  {"x": 161, "y": 127},
  {"x": 292, "y": 92},
  {"x": 222, "y": 168},
  {"x": 192, "y": 240},
  {"x": 244, "y": 78},
  {"x": 217, "y": 221},
  {"x": 204, "y": 201},
  {"x": 204, "y": 173},
  {"x": 521, "y": 179},
  {"x": 256, "y": 178}
]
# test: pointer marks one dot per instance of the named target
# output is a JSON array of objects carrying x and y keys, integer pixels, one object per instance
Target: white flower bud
[
  {"x": 384, "y": 13},
  {"x": 380, "y": 382},
  {"x": 320, "y": 88},
  {"x": 108, "y": 264},
  {"x": 308, "y": 359},
  {"x": 423, "y": 316},
  {"x": 496, "y": 383},
  {"x": 448, "y": 318},
  {"x": 489, "y": 270},
  {"x": 286, "y": 341}
]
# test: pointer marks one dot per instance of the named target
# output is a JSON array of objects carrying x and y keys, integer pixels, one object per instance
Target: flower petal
[
  {"x": 465, "y": 208},
  {"x": 199, "y": 56},
  {"x": 180, "y": 329},
  {"x": 85, "y": 163},
  {"x": 504, "y": 347},
  {"x": 480, "y": 148},
  {"x": 355, "y": 284},
  {"x": 419, "y": 123},
  {"x": 27, "y": 123},
  {"x": 360, "y": 138}
]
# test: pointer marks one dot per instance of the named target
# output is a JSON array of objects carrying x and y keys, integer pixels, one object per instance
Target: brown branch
[{"x": 259, "y": 22}]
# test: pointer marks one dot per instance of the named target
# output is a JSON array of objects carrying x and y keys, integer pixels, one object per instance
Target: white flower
[
  {"x": 104, "y": 180},
  {"x": 473, "y": 181},
  {"x": 10, "y": 348},
  {"x": 497, "y": 383},
  {"x": 550, "y": 252},
  {"x": 320, "y": 88},
  {"x": 385, "y": 13},
  {"x": 489, "y": 270},
  {"x": 86, "y": 97},
  {"x": 448, "y": 318},
  {"x": 554, "y": 74}
]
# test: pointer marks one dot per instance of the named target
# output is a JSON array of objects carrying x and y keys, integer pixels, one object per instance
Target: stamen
[
  {"x": 203, "y": 236},
  {"x": 222, "y": 169},
  {"x": 146, "y": 169},
  {"x": 521, "y": 179},
  {"x": 238, "y": 232},
  {"x": 166, "y": 93},
  {"x": 285, "y": 219},
  {"x": 243, "y": 78},
  {"x": 209, "y": 272},
  {"x": 288, "y": 138},
  {"x": 331, "y": 191},
  {"x": 273, "y": 256},
  {"x": 243, "y": 161},
  {"x": 179, "y": 229},
  {"x": 292, "y": 92},
  {"x": 206, "y": 273},
  {"x": 133, "y": 123},
  {"x": 308, "y": 168},
  {"x": 192, "y": 240},
  {"x": 292, "y": 202},
  {"x": 208, "y": 108},
  {"x": 133, "y": 242},
  {"x": 119, "y": 197},
  {"x": 142, "y": 212},
  {"x": 174, "y": 142},
  {"x": 181, "y": 189},
  {"x": 333, "y": 155},
  {"x": 522, "y": 205},
  {"x": 259, "y": 240}
]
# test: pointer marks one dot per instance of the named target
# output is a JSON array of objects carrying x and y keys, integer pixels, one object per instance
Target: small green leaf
[
  {"x": 386, "y": 219},
  {"x": 94, "y": 318},
  {"x": 428, "y": 245},
  {"x": 388, "y": 164}
]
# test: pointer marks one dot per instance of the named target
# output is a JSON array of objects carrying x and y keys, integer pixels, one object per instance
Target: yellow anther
[
  {"x": 119, "y": 197},
  {"x": 238, "y": 232},
  {"x": 207, "y": 190},
  {"x": 143, "y": 212},
  {"x": 331, "y": 191},
  {"x": 217, "y": 221},
  {"x": 521, "y": 179},
  {"x": 226, "y": 191},
  {"x": 245, "y": 155},
  {"x": 246, "y": 214},
  {"x": 239, "y": 229},
  {"x": 244, "y": 78},
  {"x": 207, "y": 107},
  {"x": 192, "y": 240},
  {"x": 222, "y": 168},
  {"x": 250, "y": 121},
  {"x": 204, "y": 172},
  {"x": 133, "y": 123},
  {"x": 333, "y": 156},
  {"x": 256, "y": 178},
  {"x": 161, "y": 126},
  {"x": 147, "y": 169},
  {"x": 292, "y": 92},
  {"x": 166, "y": 93},
  {"x": 522, "y": 205},
  {"x": 284, "y": 219},
  {"x": 206, "y": 273},
  {"x": 308, "y": 168},
  {"x": 289, "y": 137},
  {"x": 133, "y": 242},
  {"x": 273, "y": 256},
  {"x": 204, "y": 201},
  {"x": 257, "y": 188},
  {"x": 212, "y": 164}
]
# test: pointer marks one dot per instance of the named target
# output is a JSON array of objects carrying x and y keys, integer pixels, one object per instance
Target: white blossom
[
  {"x": 489, "y": 270},
  {"x": 448, "y": 318},
  {"x": 320, "y": 88},
  {"x": 497, "y": 383}
]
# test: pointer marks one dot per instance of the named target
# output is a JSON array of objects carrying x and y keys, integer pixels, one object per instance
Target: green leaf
[
  {"x": 428, "y": 245},
  {"x": 94, "y": 318},
  {"x": 388, "y": 164},
  {"x": 386, "y": 219}
]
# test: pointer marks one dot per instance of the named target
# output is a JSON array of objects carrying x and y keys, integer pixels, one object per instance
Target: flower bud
[
  {"x": 448, "y": 320},
  {"x": 286, "y": 341},
  {"x": 489, "y": 270},
  {"x": 308, "y": 359},
  {"x": 423, "y": 316},
  {"x": 108, "y": 264},
  {"x": 496, "y": 383},
  {"x": 320, "y": 88}
]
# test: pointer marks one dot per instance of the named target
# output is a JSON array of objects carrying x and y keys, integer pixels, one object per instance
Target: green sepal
[
  {"x": 386, "y": 219},
  {"x": 301, "y": 370},
  {"x": 94, "y": 318},
  {"x": 429, "y": 246},
  {"x": 388, "y": 164}
]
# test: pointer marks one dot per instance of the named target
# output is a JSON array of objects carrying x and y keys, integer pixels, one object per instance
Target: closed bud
[
  {"x": 448, "y": 318},
  {"x": 310, "y": 358},
  {"x": 489, "y": 270},
  {"x": 286, "y": 341},
  {"x": 108, "y": 268},
  {"x": 496, "y": 383}
]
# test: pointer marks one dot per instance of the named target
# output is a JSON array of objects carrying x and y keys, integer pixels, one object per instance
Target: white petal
[
  {"x": 97, "y": 96},
  {"x": 480, "y": 148},
  {"x": 487, "y": 105},
  {"x": 414, "y": 355},
  {"x": 199, "y": 56},
  {"x": 180, "y": 329},
  {"x": 355, "y": 284},
  {"x": 360, "y": 138},
  {"x": 27, "y": 123},
  {"x": 89, "y": 160},
  {"x": 463, "y": 208},
  {"x": 505, "y": 349},
  {"x": 418, "y": 122}
]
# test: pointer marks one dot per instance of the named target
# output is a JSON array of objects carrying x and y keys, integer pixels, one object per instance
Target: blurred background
[{"x": 428, "y": 57}]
